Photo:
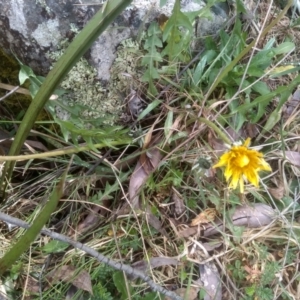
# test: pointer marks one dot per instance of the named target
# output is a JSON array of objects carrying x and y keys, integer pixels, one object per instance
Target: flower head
[{"x": 242, "y": 164}]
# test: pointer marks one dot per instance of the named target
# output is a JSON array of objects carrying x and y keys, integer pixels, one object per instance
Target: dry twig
[{"x": 101, "y": 258}]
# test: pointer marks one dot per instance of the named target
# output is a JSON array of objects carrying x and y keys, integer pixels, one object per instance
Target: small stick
[
  {"x": 9, "y": 93},
  {"x": 101, "y": 258}
]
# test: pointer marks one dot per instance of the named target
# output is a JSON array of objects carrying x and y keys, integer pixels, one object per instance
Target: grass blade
[
  {"x": 77, "y": 48},
  {"x": 30, "y": 235}
]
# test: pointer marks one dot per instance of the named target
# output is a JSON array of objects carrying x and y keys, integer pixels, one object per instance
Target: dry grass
[{"x": 253, "y": 263}]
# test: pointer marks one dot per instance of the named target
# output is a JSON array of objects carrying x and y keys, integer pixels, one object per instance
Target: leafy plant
[{"x": 152, "y": 56}]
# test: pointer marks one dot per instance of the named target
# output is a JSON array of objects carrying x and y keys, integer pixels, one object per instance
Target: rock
[
  {"x": 32, "y": 28},
  {"x": 38, "y": 32}
]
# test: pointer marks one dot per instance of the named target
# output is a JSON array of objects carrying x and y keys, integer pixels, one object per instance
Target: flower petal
[{"x": 242, "y": 163}]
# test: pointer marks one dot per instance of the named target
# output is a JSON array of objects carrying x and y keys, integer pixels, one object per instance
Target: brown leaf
[
  {"x": 216, "y": 144},
  {"x": 188, "y": 294},
  {"x": 206, "y": 216},
  {"x": 210, "y": 278},
  {"x": 251, "y": 130},
  {"x": 70, "y": 274},
  {"x": 291, "y": 105},
  {"x": 293, "y": 157},
  {"x": 278, "y": 192},
  {"x": 178, "y": 202},
  {"x": 89, "y": 221},
  {"x": 188, "y": 232},
  {"x": 250, "y": 216},
  {"x": 35, "y": 145},
  {"x": 154, "y": 262},
  {"x": 155, "y": 223},
  {"x": 140, "y": 176},
  {"x": 33, "y": 285}
]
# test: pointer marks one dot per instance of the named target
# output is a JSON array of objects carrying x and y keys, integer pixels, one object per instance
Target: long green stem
[
  {"x": 69, "y": 150},
  {"x": 23, "y": 244},
  {"x": 106, "y": 15},
  {"x": 216, "y": 129}
]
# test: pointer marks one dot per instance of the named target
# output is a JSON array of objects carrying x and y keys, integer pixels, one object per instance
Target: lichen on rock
[{"x": 105, "y": 101}]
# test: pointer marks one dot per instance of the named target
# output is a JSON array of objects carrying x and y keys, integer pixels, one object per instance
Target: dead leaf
[
  {"x": 140, "y": 176},
  {"x": 212, "y": 245},
  {"x": 251, "y": 130},
  {"x": 206, "y": 216},
  {"x": 291, "y": 105},
  {"x": 210, "y": 278},
  {"x": 155, "y": 223},
  {"x": 154, "y": 262},
  {"x": 216, "y": 144},
  {"x": 36, "y": 145},
  {"x": 88, "y": 222},
  {"x": 250, "y": 216},
  {"x": 293, "y": 157},
  {"x": 188, "y": 232},
  {"x": 188, "y": 294},
  {"x": 253, "y": 273},
  {"x": 70, "y": 274},
  {"x": 178, "y": 202},
  {"x": 278, "y": 192},
  {"x": 174, "y": 128}
]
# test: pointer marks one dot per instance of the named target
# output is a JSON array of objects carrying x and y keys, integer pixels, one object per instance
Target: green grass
[{"x": 227, "y": 94}]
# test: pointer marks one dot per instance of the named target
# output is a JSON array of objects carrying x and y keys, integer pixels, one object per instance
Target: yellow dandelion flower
[{"x": 242, "y": 164}]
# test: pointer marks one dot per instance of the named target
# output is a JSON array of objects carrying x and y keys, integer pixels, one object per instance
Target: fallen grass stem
[
  {"x": 101, "y": 258},
  {"x": 64, "y": 151}
]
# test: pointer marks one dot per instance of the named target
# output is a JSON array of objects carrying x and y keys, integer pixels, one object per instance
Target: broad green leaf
[
  {"x": 240, "y": 8},
  {"x": 256, "y": 71},
  {"x": 269, "y": 45},
  {"x": 55, "y": 247},
  {"x": 272, "y": 120},
  {"x": 119, "y": 281},
  {"x": 261, "y": 88},
  {"x": 25, "y": 73},
  {"x": 175, "y": 36},
  {"x": 284, "y": 48},
  {"x": 262, "y": 59}
]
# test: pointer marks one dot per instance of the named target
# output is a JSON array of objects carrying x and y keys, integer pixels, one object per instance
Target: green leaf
[
  {"x": 262, "y": 59},
  {"x": 55, "y": 247},
  {"x": 261, "y": 88},
  {"x": 25, "y": 73},
  {"x": 119, "y": 281},
  {"x": 284, "y": 48},
  {"x": 152, "y": 57},
  {"x": 175, "y": 36},
  {"x": 149, "y": 108}
]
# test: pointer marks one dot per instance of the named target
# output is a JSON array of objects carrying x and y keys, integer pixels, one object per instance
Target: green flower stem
[{"x": 214, "y": 127}]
